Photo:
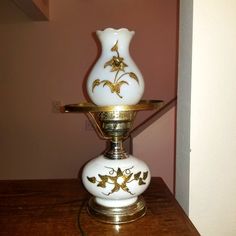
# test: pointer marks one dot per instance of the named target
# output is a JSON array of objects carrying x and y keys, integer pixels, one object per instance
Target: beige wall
[
  {"x": 45, "y": 61},
  {"x": 212, "y": 191}
]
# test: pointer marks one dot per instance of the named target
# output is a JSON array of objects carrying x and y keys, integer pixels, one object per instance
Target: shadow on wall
[{"x": 11, "y": 14}]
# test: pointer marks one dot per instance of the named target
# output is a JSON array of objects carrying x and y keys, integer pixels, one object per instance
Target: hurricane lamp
[{"x": 115, "y": 179}]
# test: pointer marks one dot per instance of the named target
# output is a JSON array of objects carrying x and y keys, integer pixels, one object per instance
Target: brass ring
[{"x": 90, "y": 107}]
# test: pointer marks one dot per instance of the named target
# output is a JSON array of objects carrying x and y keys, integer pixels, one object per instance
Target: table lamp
[{"x": 115, "y": 86}]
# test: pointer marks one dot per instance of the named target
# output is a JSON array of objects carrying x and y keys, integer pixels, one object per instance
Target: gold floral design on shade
[
  {"x": 119, "y": 179},
  {"x": 117, "y": 65}
]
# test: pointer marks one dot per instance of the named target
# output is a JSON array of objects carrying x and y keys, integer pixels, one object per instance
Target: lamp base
[
  {"x": 115, "y": 179},
  {"x": 117, "y": 215}
]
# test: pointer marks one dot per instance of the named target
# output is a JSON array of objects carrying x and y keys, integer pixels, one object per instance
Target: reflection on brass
[
  {"x": 119, "y": 179},
  {"x": 90, "y": 107},
  {"x": 116, "y": 115},
  {"x": 113, "y": 122},
  {"x": 117, "y": 215},
  {"x": 117, "y": 65}
]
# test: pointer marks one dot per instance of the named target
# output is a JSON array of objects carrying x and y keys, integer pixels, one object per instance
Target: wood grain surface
[{"x": 58, "y": 207}]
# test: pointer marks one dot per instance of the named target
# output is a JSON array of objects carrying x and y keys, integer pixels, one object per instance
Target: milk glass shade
[{"x": 115, "y": 79}]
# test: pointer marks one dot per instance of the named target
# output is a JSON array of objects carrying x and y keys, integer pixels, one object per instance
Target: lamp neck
[{"x": 116, "y": 149}]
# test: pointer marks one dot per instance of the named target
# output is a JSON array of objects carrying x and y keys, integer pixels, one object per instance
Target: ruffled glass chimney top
[{"x": 115, "y": 79}]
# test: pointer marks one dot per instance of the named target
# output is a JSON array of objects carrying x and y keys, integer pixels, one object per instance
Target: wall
[
  {"x": 212, "y": 163},
  {"x": 46, "y": 61},
  {"x": 156, "y": 146}
]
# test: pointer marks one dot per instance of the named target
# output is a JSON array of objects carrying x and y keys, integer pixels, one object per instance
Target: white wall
[
  {"x": 212, "y": 164},
  {"x": 184, "y": 104}
]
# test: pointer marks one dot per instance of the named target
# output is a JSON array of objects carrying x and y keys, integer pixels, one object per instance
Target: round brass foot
[{"x": 117, "y": 215}]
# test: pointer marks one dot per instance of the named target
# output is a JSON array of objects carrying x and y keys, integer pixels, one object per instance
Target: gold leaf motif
[
  {"x": 117, "y": 87},
  {"x": 134, "y": 76},
  {"x": 128, "y": 177},
  {"x": 126, "y": 189},
  {"x": 115, "y": 47},
  {"x": 108, "y": 63},
  {"x": 119, "y": 172},
  {"x": 136, "y": 176},
  {"x": 113, "y": 178},
  {"x": 141, "y": 182},
  {"x": 92, "y": 179},
  {"x": 145, "y": 175},
  {"x": 115, "y": 189},
  {"x": 103, "y": 177},
  {"x": 109, "y": 84},
  {"x": 114, "y": 87},
  {"x": 95, "y": 83},
  {"x": 101, "y": 184}
]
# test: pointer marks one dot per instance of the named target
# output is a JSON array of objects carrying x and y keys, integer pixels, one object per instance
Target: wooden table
[{"x": 58, "y": 207}]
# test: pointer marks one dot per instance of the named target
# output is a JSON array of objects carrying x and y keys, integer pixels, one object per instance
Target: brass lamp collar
[{"x": 116, "y": 150}]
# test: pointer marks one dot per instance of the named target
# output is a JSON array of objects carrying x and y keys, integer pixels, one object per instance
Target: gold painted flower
[
  {"x": 116, "y": 63},
  {"x": 119, "y": 179}
]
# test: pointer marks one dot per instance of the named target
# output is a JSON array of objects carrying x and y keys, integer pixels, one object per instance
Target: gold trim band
[
  {"x": 117, "y": 215},
  {"x": 90, "y": 107}
]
